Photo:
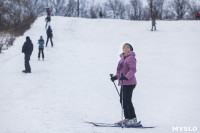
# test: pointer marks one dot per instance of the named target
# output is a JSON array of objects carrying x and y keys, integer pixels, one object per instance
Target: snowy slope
[{"x": 73, "y": 82}]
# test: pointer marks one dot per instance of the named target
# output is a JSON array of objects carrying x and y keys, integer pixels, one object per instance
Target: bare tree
[
  {"x": 146, "y": 15},
  {"x": 70, "y": 9},
  {"x": 156, "y": 8},
  {"x": 150, "y": 3},
  {"x": 116, "y": 8},
  {"x": 78, "y": 8},
  {"x": 137, "y": 9},
  {"x": 168, "y": 11},
  {"x": 180, "y": 7},
  {"x": 83, "y": 8},
  {"x": 95, "y": 10},
  {"x": 159, "y": 8},
  {"x": 33, "y": 7},
  {"x": 93, "y": 13},
  {"x": 59, "y": 7}
]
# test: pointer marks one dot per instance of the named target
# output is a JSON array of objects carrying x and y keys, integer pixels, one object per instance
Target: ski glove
[
  {"x": 113, "y": 78},
  {"x": 123, "y": 78}
]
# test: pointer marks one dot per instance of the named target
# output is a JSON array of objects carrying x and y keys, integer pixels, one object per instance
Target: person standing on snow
[
  {"x": 100, "y": 14},
  {"x": 126, "y": 70},
  {"x": 47, "y": 19},
  {"x": 41, "y": 47},
  {"x": 27, "y": 49},
  {"x": 49, "y": 36},
  {"x": 1, "y": 46},
  {"x": 153, "y": 23},
  {"x": 197, "y": 16},
  {"x": 48, "y": 12}
]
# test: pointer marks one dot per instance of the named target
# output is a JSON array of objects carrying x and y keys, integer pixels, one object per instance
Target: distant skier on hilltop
[
  {"x": 100, "y": 14},
  {"x": 41, "y": 47},
  {"x": 153, "y": 23},
  {"x": 197, "y": 16},
  {"x": 47, "y": 19},
  {"x": 48, "y": 12}
]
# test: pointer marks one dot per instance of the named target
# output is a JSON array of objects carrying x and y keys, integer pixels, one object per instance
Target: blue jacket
[{"x": 41, "y": 43}]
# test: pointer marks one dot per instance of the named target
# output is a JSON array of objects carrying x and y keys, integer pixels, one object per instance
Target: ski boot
[
  {"x": 133, "y": 123},
  {"x": 122, "y": 122}
]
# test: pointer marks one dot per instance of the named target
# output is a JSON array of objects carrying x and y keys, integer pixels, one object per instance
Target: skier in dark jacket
[
  {"x": 48, "y": 11},
  {"x": 27, "y": 49},
  {"x": 1, "y": 46},
  {"x": 49, "y": 36},
  {"x": 41, "y": 47},
  {"x": 153, "y": 23},
  {"x": 126, "y": 70},
  {"x": 47, "y": 19},
  {"x": 100, "y": 14}
]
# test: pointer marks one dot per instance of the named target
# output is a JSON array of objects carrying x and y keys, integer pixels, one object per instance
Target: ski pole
[
  {"x": 111, "y": 75},
  {"x": 122, "y": 87}
]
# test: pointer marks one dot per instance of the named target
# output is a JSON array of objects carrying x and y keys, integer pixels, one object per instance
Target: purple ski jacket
[{"x": 127, "y": 67}]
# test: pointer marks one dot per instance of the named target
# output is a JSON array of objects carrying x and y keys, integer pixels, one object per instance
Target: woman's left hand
[{"x": 123, "y": 78}]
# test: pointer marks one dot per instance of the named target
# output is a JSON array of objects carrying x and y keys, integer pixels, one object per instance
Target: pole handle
[{"x": 111, "y": 75}]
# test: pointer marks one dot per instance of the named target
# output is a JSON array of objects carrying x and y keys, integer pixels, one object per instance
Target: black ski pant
[
  {"x": 129, "y": 111},
  {"x": 41, "y": 50},
  {"x": 48, "y": 41},
  {"x": 27, "y": 64},
  {"x": 153, "y": 26},
  {"x": 46, "y": 24}
]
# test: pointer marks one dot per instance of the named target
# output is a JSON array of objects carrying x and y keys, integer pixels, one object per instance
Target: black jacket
[
  {"x": 49, "y": 32},
  {"x": 27, "y": 47},
  {"x": 48, "y": 19}
]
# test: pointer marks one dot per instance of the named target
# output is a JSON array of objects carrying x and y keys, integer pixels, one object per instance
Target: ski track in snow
[{"x": 73, "y": 83}]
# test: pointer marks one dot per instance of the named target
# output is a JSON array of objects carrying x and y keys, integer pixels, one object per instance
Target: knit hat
[
  {"x": 28, "y": 38},
  {"x": 131, "y": 47}
]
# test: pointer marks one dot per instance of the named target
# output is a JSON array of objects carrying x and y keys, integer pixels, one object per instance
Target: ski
[{"x": 116, "y": 125}]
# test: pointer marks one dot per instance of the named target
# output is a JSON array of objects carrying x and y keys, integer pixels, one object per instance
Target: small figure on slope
[
  {"x": 49, "y": 36},
  {"x": 27, "y": 49},
  {"x": 47, "y": 20},
  {"x": 41, "y": 47},
  {"x": 153, "y": 24}
]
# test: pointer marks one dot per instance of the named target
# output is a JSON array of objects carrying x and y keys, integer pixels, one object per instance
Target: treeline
[{"x": 131, "y": 10}]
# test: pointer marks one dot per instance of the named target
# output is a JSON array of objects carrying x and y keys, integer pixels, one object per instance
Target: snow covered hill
[{"x": 73, "y": 83}]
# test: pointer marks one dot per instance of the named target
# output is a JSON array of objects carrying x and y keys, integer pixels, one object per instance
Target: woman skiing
[{"x": 126, "y": 70}]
